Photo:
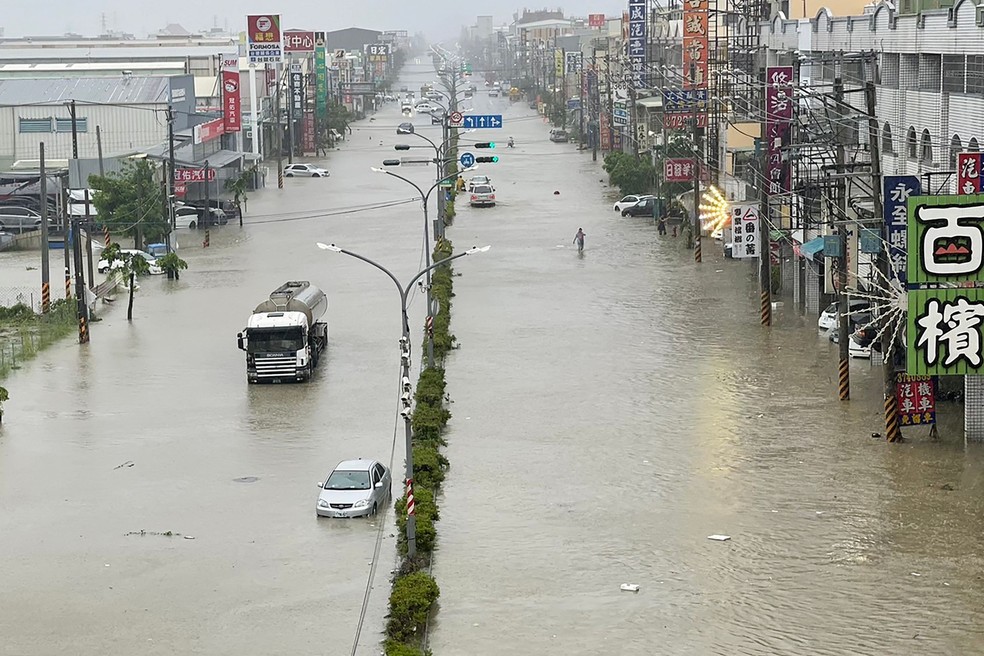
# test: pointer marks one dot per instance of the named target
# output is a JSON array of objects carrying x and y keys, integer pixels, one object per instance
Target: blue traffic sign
[
  {"x": 482, "y": 121},
  {"x": 467, "y": 160}
]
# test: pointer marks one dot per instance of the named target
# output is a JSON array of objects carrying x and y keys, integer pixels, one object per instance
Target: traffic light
[
  {"x": 486, "y": 160},
  {"x": 485, "y": 144},
  {"x": 467, "y": 68},
  {"x": 401, "y": 147}
]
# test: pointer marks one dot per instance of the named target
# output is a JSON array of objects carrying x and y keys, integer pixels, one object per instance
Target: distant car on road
[
  {"x": 425, "y": 107},
  {"x": 305, "y": 171},
  {"x": 629, "y": 201},
  {"x": 404, "y": 128},
  {"x": 493, "y": 93},
  {"x": 437, "y": 116},
  {"x": 559, "y": 136},
  {"x": 644, "y": 207},
  {"x": 103, "y": 265},
  {"x": 355, "y": 488},
  {"x": 479, "y": 180},
  {"x": 829, "y": 318},
  {"x": 482, "y": 196}
]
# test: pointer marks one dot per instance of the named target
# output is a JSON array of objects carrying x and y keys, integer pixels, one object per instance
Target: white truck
[{"x": 284, "y": 337}]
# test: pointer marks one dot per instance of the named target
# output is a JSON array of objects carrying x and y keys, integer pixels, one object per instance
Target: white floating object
[
  {"x": 189, "y": 537},
  {"x": 915, "y": 574},
  {"x": 629, "y": 587},
  {"x": 719, "y": 538},
  {"x": 819, "y": 512}
]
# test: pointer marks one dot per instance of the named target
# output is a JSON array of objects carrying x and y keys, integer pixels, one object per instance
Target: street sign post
[
  {"x": 467, "y": 160},
  {"x": 481, "y": 121},
  {"x": 455, "y": 119}
]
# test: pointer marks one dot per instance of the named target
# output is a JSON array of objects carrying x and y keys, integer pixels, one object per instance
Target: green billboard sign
[
  {"x": 945, "y": 266},
  {"x": 321, "y": 75}
]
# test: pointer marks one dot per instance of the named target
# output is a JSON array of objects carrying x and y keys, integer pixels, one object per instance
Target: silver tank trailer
[{"x": 296, "y": 296}]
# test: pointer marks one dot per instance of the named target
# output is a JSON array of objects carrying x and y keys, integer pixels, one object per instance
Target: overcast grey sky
[{"x": 438, "y": 19}]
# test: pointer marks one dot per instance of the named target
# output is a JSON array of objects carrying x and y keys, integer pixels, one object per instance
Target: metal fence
[
  {"x": 21, "y": 337},
  {"x": 29, "y": 296}
]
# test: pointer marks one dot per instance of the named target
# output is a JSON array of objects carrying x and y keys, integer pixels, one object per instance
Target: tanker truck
[{"x": 284, "y": 338}]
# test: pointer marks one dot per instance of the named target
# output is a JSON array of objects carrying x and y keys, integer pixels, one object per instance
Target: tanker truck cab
[{"x": 283, "y": 338}]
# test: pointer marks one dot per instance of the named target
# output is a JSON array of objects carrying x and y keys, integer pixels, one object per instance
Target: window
[
  {"x": 975, "y": 73},
  {"x": 890, "y": 70},
  {"x": 909, "y": 71},
  {"x": 926, "y": 148},
  {"x": 886, "y": 140},
  {"x": 34, "y": 125},
  {"x": 955, "y": 147},
  {"x": 910, "y": 143},
  {"x": 930, "y": 66},
  {"x": 65, "y": 124},
  {"x": 954, "y": 73},
  {"x": 972, "y": 146}
]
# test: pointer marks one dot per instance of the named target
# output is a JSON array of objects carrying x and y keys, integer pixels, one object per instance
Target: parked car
[
  {"x": 829, "y": 318},
  {"x": 479, "y": 180},
  {"x": 559, "y": 136},
  {"x": 424, "y": 107},
  {"x": 404, "y": 128},
  {"x": 533, "y": 104},
  {"x": 644, "y": 207},
  {"x": 482, "y": 196},
  {"x": 493, "y": 93},
  {"x": 190, "y": 215},
  {"x": 103, "y": 266},
  {"x": 20, "y": 219},
  {"x": 305, "y": 171},
  {"x": 469, "y": 93},
  {"x": 629, "y": 201},
  {"x": 355, "y": 488}
]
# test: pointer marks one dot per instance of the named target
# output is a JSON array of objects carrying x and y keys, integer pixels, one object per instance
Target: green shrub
[
  {"x": 410, "y": 603},
  {"x": 428, "y": 416},
  {"x": 429, "y": 466},
  {"x": 431, "y": 386},
  {"x": 427, "y": 514},
  {"x": 394, "y": 648}
]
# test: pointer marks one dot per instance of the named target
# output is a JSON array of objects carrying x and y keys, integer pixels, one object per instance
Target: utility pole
[
  {"x": 207, "y": 214},
  {"x": 843, "y": 306},
  {"x": 765, "y": 265},
  {"x": 290, "y": 108},
  {"x": 99, "y": 151},
  {"x": 634, "y": 120},
  {"x": 82, "y": 310},
  {"x": 45, "y": 264},
  {"x": 893, "y": 433},
  {"x": 698, "y": 135},
  {"x": 172, "y": 172},
  {"x": 280, "y": 132},
  {"x": 63, "y": 212},
  {"x": 582, "y": 83},
  {"x": 595, "y": 102}
]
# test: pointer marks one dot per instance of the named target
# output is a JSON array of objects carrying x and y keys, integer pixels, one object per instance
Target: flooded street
[{"x": 610, "y": 411}]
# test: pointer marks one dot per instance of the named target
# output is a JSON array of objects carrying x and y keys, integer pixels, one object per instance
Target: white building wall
[{"x": 124, "y": 130}]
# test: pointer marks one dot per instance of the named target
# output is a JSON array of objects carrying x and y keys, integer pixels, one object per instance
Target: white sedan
[
  {"x": 305, "y": 170},
  {"x": 425, "y": 108},
  {"x": 630, "y": 201},
  {"x": 104, "y": 267}
]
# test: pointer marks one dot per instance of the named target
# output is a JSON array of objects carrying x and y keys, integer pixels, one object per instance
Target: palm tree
[{"x": 238, "y": 188}]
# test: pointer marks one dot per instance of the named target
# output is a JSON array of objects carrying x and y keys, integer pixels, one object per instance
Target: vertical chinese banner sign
[
  {"x": 969, "y": 173},
  {"x": 695, "y": 56},
  {"x": 636, "y": 44},
  {"x": 321, "y": 73},
  {"x": 745, "y": 231},
  {"x": 559, "y": 63},
  {"x": 231, "y": 98},
  {"x": 896, "y": 192},
  {"x": 264, "y": 40},
  {"x": 916, "y": 396},
  {"x": 945, "y": 263},
  {"x": 778, "y": 121}
]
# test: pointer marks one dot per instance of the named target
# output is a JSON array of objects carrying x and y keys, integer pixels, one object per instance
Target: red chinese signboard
[
  {"x": 695, "y": 55},
  {"x": 606, "y": 132},
  {"x": 308, "y": 142},
  {"x": 969, "y": 173},
  {"x": 299, "y": 41},
  {"x": 778, "y": 120},
  {"x": 208, "y": 131},
  {"x": 596, "y": 20},
  {"x": 231, "y": 98},
  {"x": 678, "y": 170},
  {"x": 916, "y": 396},
  {"x": 684, "y": 120},
  {"x": 263, "y": 39},
  {"x": 193, "y": 175}
]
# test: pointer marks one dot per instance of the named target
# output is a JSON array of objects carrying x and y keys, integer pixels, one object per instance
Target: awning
[{"x": 810, "y": 248}]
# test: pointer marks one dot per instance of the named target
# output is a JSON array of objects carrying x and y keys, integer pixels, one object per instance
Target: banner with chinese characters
[
  {"x": 945, "y": 268},
  {"x": 299, "y": 41},
  {"x": 695, "y": 55},
  {"x": 559, "y": 63},
  {"x": 745, "y": 231},
  {"x": 596, "y": 20},
  {"x": 682, "y": 107},
  {"x": 969, "y": 173},
  {"x": 264, "y": 41},
  {"x": 896, "y": 192},
  {"x": 778, "y": 121},
  {"x": 678, "y": 170},
  {"x": 636, "y": 44},
  {"x": 378, "y": 53},
  {"x": 231, "y": 98},
  {"x": 572, "y": 63},
  {"x": 606, "y": 132},
  {"x": 321, "y": 75},
  {"x": 309, "y": 139},
  {"x": 296, "y": 90},
  {"x": 916, "y": 396}
]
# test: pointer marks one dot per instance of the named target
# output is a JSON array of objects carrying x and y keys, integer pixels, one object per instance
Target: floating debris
[
  {"x": 128, "y": 463},
  {"x": 629, "y": 587},
  {"x": 719, "y": 538}
]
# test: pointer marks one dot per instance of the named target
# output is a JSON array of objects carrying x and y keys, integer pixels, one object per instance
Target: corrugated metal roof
[
  {"x": 133, "y": 90},
  {"x": 69, "y": 67},
  {"x": 137, "y": 53}
]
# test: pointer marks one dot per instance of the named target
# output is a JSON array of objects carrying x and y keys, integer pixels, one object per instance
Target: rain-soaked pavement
[{"x": 611, "y": 411}]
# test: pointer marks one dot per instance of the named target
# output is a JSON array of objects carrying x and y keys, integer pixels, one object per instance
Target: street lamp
[
  {"x": 425, "y": 197},
  {"x": 406, "y": 397}
]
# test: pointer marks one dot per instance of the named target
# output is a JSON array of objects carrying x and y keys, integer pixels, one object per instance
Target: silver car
[
  {"x": 20, "y": 219},
  {"x": 305, "y": 170},
  {"x": 355, "y": 488},
  {"x": 482, "y": 196}
]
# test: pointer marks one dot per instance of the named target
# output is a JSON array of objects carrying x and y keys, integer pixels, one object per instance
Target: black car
[
  {"x": 404, "y": 128},
  {"x": 645, "y": 207}
]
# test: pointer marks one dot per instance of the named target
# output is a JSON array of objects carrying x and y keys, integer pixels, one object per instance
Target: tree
[
  {"x": 171, "y": 264},
  {"x": 238, "y": 187},
  {"x": 130, "y": 202},
  {"x": 131, "y": 266},
  {"x": 3, "y": 397},
  {"x": 630, "y": 175}
]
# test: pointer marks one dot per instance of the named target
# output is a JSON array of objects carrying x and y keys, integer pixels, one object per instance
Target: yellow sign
[{"x": 559, "y": 63}]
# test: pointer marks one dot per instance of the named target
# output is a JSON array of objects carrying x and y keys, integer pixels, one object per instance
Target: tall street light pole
[
  {"x": 425, "y": 198},
  {"x": 407, "y": 412}
]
